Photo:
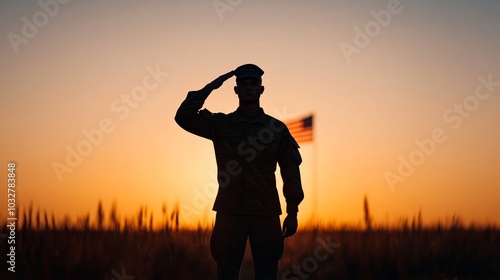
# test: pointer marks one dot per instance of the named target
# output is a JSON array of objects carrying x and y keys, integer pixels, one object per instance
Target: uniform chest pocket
[{"x": 230, "y": 137}]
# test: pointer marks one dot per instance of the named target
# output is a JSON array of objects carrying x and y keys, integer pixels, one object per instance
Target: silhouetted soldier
[{"x": 248, "y": 145}]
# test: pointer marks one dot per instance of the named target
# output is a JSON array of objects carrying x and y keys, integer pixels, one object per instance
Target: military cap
[{"x": 249, "y": 71}]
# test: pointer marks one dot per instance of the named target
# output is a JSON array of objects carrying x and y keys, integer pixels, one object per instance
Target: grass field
[{"x": 135, "y": 250}]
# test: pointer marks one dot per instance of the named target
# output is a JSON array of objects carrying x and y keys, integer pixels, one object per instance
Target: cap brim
[{"x": 244, "y": 76}]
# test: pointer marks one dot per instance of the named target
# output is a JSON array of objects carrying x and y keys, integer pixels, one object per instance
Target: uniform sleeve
[
  {"x": 289, "y": 161},
  {"x": 192, "y": 119}
]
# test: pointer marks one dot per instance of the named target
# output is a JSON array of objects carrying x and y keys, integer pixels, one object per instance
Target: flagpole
[{"x": 302, "y": 130}]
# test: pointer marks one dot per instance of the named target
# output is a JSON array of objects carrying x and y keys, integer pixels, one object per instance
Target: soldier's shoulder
[
  {"x": 273, "y": 119},
  {"x": 274, "y": 122},
  {"x": 214, "y": 116}
]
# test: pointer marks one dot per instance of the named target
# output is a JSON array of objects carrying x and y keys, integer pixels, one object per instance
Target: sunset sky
[{"x": 405, "y": 94}]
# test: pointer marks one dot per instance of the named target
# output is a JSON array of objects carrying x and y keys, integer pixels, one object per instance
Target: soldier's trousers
[{"x": 228, "y": 243}]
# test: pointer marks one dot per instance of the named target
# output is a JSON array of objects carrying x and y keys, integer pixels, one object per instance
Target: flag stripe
[
  {"x": 301, "y": 132},
  {"x": 298, "y": 123},
  {"x": 301, "y": 129}
]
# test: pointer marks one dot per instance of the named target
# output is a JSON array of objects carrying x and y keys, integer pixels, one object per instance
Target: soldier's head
[{"x": 249, "y": 83}]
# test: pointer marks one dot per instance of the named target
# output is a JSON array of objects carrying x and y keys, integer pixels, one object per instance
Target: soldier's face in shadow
[{"x": 249, "y": 90}]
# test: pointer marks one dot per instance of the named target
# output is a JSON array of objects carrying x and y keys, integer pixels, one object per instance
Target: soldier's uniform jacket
[{"x": 247, "y": 153}]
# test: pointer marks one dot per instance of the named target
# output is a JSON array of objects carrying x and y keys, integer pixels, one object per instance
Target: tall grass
[{"x": 110, "y": 245}]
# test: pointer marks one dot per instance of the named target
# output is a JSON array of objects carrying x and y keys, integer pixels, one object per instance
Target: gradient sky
[{"x": 405, "y": 79}]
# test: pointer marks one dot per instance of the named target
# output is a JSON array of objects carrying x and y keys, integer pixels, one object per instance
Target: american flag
[{"x": 301, "y": 129}]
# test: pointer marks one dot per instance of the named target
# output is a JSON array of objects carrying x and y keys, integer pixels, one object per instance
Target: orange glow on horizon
[{"x": 88, "y": 103}]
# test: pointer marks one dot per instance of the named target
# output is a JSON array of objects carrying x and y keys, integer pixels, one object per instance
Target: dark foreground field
[{"x": 433, "y": 253}]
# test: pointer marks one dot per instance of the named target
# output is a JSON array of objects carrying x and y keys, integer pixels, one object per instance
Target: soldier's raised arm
[{"x": 189, "y": 116}]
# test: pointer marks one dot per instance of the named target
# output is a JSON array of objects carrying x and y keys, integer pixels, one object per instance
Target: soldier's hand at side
[
  {"x": 290, "y": 225},
  {"x": 215, "y": 84}
]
